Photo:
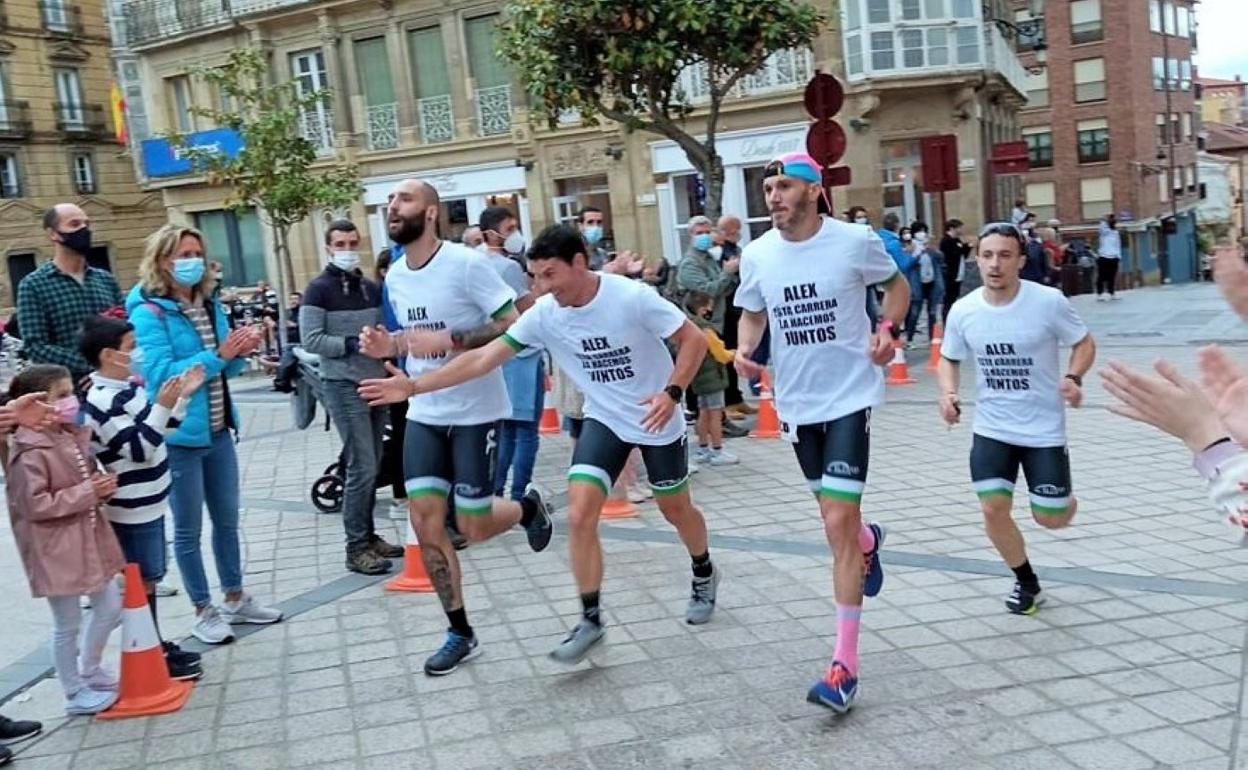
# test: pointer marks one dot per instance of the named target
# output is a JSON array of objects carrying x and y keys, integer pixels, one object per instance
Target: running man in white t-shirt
[
  {"x": 1012, "y": 329},
  {"x": 607, "y": 333},
  {"x": 439, "y": 299},
  {"x": 808, "y": 278}
]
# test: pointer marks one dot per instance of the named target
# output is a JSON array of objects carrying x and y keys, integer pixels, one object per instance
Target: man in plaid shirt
[{"x": 53, "y": 301}]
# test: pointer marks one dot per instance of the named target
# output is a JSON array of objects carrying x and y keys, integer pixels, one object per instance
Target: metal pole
[{"x": 1166, "y": 23}]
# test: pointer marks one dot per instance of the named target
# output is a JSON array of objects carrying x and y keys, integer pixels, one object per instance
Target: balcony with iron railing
[
  {"x": 381, "y": 122},
  {"x": 436, "y": 115},
  {"x": 151, "y": 21},
  {"x": 80, "y": 120},
  {"x": 15, "y": 122},
  {"x": 60, "y": 18},
  {"x": 317, "y": 126},
  {"x": 784, "y": 70}
]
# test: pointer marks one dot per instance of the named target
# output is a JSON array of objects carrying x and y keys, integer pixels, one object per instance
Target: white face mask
[
  {"x": 860, "y": 220},
  {"x": 716, "y": 251},
  {"x": 515, "y": 243},
  {"x": 345, "y": 260},
  {"x": 920, "y": 238}
]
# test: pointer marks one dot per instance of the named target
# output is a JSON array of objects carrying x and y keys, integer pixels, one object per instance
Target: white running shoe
[
  {"x": 164, "y": 590},
  {"x": 89, "y": 701},
  {"x": 247, "y": 611},
  {"x": 211, "y": 628},
  {"x": 101, "y": 679},
  {"x": 720, "y": 457}
]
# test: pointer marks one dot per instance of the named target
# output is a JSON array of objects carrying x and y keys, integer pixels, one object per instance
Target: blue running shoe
[
  {"x": 455, "y": 650},
  {"x": 836, "y": 690},
  {"x": 873, "y": 580}
]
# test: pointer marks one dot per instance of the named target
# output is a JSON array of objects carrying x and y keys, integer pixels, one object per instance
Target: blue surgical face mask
[
  {"x": 593, "y": 234},
  {"x": 702, "y": 242},
  {"x": 188, "y": 271}
]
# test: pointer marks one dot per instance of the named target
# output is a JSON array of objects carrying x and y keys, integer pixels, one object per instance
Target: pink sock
[
  {"x": 848, "y": 619},
  {"x": 866, "y": 539}
]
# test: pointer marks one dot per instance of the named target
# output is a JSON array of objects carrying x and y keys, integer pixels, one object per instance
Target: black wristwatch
[
  {"x": 1075, "y": 379},
  {"x": 675, "y": 392}
]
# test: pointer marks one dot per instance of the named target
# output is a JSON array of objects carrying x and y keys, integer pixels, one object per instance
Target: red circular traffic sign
[
  {"x": 824, "y": 96},
  {"x": 825, "y": 141}
]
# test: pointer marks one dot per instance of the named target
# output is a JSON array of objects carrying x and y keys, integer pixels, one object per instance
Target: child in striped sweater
[{"x": 128, "y": 437}]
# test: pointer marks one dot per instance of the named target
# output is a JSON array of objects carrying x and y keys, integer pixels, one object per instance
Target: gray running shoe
[
  {"x": 702, "y": 599},
  {"x": 579, "y": 641}
]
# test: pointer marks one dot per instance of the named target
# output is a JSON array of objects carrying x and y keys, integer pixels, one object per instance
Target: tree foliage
[{"x": 622, "y": 60}]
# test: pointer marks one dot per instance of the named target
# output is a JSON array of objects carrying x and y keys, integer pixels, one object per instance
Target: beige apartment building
[
  {"x": 417, "y": 91},
  {"x": 57, "y": 140}
]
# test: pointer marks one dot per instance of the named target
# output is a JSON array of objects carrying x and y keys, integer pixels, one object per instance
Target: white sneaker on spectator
[
  {"x": 702, "y": 454},
  {"x": 210, "y": 628},
  {"x": 248, "y": 611},
  {"x": 164, "y": 589},
  {"x": 720, "y": 457},
  {"x": 101, "y": 679},
  {"x": 89, "y": 701}
]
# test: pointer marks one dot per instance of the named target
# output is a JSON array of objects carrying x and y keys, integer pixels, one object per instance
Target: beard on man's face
[{"x": 405, "y": 230}]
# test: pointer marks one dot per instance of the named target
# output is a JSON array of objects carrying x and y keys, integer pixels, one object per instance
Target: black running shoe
[
  {"x": 183, "y": 664},
  {"x": 1022, "y": 601},
  {"x": 541, "y": 528},
  {"x": 16, "y": 731},
  {"x": 455, "y": 650}
]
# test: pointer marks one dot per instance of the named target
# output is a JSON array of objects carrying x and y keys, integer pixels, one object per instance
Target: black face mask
[
  {"x": 409, "y": 231},
  {"x": 706, "y": 314},
  {"x": 78, "y": 241}
]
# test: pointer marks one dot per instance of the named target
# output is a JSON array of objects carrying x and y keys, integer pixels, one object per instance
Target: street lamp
[{"x": 1032, "y": 29}]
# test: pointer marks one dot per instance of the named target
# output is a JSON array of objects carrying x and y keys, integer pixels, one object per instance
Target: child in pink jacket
[{"x": 67, "y": 546}]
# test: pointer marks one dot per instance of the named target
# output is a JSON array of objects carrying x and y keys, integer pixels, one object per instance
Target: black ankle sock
[
  {"x": 151, "y": 605},
  {"x": 528, "y": 510},
  {"x": 1026, "y": 577},
  {"x": 459, "y": 622},
  {"x": 589, "y": 608},
  {"x": 702, "y": 565}
]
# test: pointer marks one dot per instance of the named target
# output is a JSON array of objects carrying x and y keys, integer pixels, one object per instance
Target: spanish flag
[{"x": 118, "y": 104}]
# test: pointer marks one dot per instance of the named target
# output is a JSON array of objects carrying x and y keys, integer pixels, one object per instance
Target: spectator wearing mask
[
  {"x": 53, "y": 301},
  {"x": 472, "y": 238},
  {"x": 728, "y": 238},
  {"x": 699, "y": 271},
  {"x": 590, "y": 221},
  {"x": 1108, "y": 257},
  {"x": 338, "y": 304},
  {"x": 927, "y": 281},
  {"x": 857, "y": 215},
  {"x": 955, "y": 250},
  {"x": 1019, "y": 213},
  {"x": 502, "y": 233}
]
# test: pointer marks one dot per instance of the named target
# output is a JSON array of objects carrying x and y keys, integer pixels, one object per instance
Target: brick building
[
  {"x": 1112, "y": 123},
  {"x": 1223, "y": 101}
]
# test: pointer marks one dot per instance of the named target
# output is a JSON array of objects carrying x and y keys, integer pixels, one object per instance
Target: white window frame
[
  {"x": 1089, "y": 64},
  {"x": 1088, "y": 199},
  {"x": 83, "y": 165},
  {"x": 69, "y": 94},
  {"x": 10, "y": 178}
]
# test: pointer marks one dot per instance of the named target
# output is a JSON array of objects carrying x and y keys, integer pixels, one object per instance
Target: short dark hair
[
  {"x": 558, "y": 242},
  {"x": 339, "y": 226},
  {"x": 891, "y": 221},
  {"x": 696, "y": 299},
  {"x": 952, "y": 224},
  {"x": 51, "y": 218},
  {"x": 854, "y": 210},
  {"x": 580, "y": 215},
  {"x": 917, "y": 226},
  {"x": 382, "y": 264},
  {"x": 37, "y": 378},
  {"x": 100, "y": 333},
  {"x": 493, "y": 217}
]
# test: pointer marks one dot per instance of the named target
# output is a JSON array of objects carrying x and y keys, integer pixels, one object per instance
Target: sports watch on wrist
[
  {"x": 1075, "y": 379},
  {"x": 675, "y": 392}
]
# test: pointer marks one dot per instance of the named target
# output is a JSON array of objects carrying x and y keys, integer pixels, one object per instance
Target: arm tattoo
[
  {"x": 440, "y": 574},
  {"x": 470, "y": 339}
]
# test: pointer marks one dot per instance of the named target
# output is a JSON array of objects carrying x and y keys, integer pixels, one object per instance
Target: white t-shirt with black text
[
  {"x": 815, "y": 294},
  {"x": 1015, "y": 348},
  {"x": 455, "y": 290},
  {"x": 612, "y": 349}
]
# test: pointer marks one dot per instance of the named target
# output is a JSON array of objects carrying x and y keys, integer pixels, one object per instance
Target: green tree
[
  {"x": 622, "y": 60},
  {"x": 277, "y": 171}
]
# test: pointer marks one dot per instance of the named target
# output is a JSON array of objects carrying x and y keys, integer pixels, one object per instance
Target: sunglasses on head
[{"x": 1001, "y": 228}]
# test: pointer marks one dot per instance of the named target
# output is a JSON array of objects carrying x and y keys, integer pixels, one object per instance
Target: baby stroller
[{"x": 309, "y": 390}]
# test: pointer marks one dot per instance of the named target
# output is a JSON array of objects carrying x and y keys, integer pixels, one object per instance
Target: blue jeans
[
  {"x": 360, "y": 427},
  {"x": 144, "y": 544},
  {"x": 517, "y": 445},
  {"x": 206, "y": 475}
]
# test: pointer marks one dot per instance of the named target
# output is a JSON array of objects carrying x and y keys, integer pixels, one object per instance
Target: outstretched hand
[
  {"x": 389, "y": 390},
  {"x": 1227, "y": 387},
  {"x": 1169, "y": 402}
]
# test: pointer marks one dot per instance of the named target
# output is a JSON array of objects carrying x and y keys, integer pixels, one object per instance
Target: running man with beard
[
  {"x": 1012, "y": 329},
  {"x": 607, "y": 333},
  {"x": 455, "y": 297},
  {"x": 809, "y": 276}
]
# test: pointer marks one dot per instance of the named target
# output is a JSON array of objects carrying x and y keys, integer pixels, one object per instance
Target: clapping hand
[
  {"x": 376, "y": 342},
  {"x": 1170, "y": 402},
  {"x": 104, "y": 485},
  {"x": 390, "y": 390},
  {"x": 29, "y": 410},
  {"x": 1227, "y": 388}
]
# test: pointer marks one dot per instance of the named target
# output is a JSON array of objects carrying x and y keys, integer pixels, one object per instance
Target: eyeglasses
[{"x": 1001, "y": 228}]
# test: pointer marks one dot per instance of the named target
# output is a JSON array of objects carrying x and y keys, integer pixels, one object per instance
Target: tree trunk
[
  {"x": 713, "y": 176},
  {"x": 285, "y": 280}
]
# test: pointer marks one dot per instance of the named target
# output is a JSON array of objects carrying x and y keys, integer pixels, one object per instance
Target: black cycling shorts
[
  {"x": 439, "y": 458},
  {"x": 600, "y": 456},
  {"x": 994, "y": 470},
  {"x": 833, "y": 455}
]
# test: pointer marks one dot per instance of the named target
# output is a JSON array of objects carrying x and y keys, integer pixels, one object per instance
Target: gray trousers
[{"x": 361, "y": 428}]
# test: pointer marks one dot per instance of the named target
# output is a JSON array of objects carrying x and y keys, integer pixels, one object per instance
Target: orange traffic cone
[
  {"x": 550, "y": 416},
  {"x": 617, "y": 504},
  {"x": 898, "y": 370},
  {"x": 146, "y": 688},
  {"x": 768, "y": 425},
  {"x": 938, "y": 339},
  {"x": 414, "y": 578}
]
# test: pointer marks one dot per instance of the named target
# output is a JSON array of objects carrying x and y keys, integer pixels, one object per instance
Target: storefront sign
[{"x": 736, "y": 148}]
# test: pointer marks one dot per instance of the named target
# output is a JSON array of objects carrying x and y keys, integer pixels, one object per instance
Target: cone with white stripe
[
  {"x": 898, "y": 370},
  {"x": 146, "y": 688},
  {"x": 415, "y": 578},
  {"x": 938, "y": 340}
]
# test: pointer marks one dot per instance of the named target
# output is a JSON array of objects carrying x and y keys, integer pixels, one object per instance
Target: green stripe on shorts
[
  {"x": 672, "y": 489},
  {"x": 841, "y": 494},
  {"x": 590, "y": 474}
]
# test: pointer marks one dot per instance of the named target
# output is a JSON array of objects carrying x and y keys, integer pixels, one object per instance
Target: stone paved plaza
[{"x": 1138, "y": 660}]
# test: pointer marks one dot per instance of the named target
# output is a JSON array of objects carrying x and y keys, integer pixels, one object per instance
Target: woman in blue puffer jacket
[{"x": 177, "y": 325}]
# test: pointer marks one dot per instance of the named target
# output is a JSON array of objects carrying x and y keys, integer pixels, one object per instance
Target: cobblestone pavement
[{"x": 1138, "y": 661}]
